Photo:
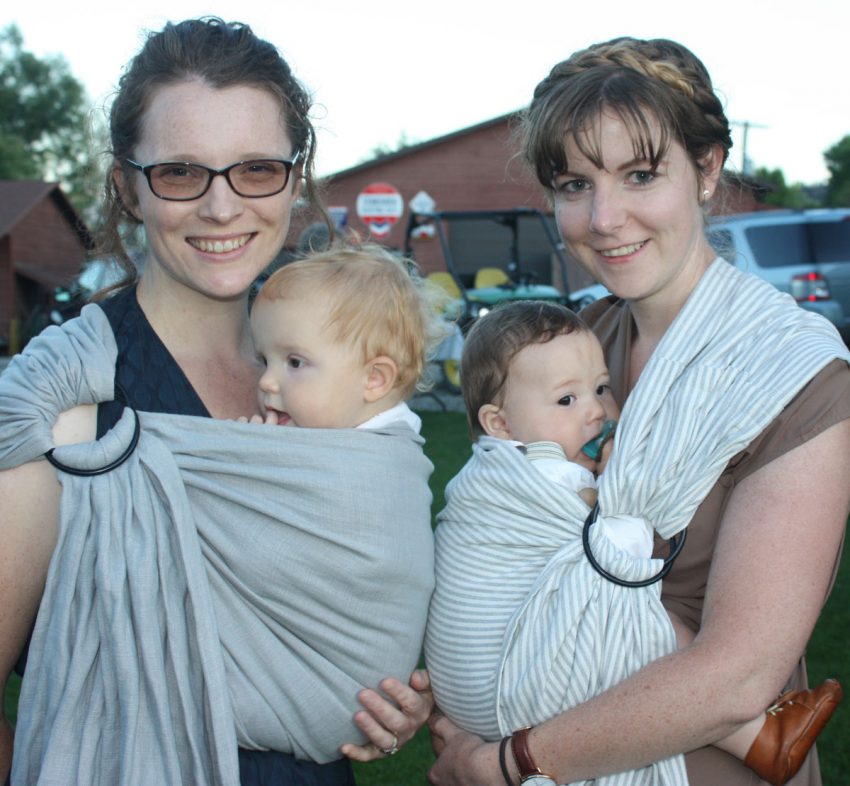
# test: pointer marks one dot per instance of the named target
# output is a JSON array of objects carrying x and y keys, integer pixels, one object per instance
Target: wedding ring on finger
[{"x": 393, "y": 749}]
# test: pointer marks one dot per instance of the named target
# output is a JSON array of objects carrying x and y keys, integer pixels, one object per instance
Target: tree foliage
[
  {"x": 45, "y": 128},
  {"x": 838, "y": 163},
  {"x": 383, "y": 149},
  {"x": 783, "y": 194}
]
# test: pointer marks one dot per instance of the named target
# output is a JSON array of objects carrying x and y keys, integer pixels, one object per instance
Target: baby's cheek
[{"x": 612, "y": 411}]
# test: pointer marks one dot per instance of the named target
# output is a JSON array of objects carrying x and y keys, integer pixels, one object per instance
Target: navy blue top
[
  {"x": 145, "y": 372},
  {"x": 148, "y": 378}
]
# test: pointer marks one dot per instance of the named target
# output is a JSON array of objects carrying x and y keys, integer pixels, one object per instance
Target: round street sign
[{"x": 379, "y": 206}]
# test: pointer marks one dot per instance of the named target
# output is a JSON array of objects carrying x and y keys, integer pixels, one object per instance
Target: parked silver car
[{"x": 803, "y": 252}]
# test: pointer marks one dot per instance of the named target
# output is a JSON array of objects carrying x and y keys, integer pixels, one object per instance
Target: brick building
[
  {"x": 43, "y": 244},
  {"x": 475, "y": 168}
]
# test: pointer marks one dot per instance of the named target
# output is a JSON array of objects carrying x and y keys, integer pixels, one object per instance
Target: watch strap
[{"x": 522, "y": 755}]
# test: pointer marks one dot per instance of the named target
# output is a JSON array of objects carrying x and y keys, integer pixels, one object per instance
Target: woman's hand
[
  {"x": 462, "y": 758},
  {"x": 391, "y": 725}
]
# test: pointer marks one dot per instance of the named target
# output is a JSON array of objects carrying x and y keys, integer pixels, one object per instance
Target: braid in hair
[
  {"x": 646, "y": 59},
  {"x": 644, "y": 82}
]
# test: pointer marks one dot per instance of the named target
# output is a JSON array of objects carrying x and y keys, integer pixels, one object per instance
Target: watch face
[{"x": 538, "y": 780}]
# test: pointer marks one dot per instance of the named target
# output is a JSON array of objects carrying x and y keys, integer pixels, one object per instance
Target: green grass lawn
[
  {"x": 448, "y": 447},
  {"x": 10, "y": 700}
]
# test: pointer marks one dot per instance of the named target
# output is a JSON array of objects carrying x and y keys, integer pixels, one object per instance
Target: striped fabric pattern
[
  {"x": 736, "y": 355},
  {"x": 521, "y": 627}
]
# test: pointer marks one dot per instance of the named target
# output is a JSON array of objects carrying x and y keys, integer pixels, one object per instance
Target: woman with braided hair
[{"x": 735, "y": 426}]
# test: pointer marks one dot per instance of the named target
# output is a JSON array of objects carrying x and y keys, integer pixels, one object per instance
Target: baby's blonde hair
[{"x": 377, "y": 301}]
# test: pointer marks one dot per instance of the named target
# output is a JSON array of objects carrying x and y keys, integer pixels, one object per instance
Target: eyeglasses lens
[{"x": 259, "y": 178}]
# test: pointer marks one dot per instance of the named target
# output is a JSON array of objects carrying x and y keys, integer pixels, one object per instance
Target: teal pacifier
[{"x": 593, "y": 448}]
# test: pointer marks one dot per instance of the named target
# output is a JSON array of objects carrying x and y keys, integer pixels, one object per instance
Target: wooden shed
[{"x": 43, "y": 244}]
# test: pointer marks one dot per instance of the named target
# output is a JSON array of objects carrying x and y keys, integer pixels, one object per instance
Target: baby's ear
[
  {"x": 493, "y": 421},
  {"x": 381, "y": 375}
]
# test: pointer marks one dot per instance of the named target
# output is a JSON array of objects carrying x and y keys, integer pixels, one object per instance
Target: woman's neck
[
  {"x": 654, "y": 315},
  {"x": 191, "y": 322},
  {"x": 211, "y": 342}
]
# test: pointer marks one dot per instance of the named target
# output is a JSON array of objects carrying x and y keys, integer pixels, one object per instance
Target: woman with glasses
[{"x": 211, "y": 145}]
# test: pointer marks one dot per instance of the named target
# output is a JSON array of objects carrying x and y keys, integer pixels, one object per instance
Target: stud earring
[{"x": 705, "y": 195}]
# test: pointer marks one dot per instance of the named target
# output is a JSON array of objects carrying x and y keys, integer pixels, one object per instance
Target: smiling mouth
[
  {"x": 623, "y": 251},
  {"x": 219, "y": 246}
]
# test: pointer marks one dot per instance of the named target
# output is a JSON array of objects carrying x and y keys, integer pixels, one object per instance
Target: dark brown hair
[
  {"x": 643, "y": 82},
  {"x": 495, "y": 339}
]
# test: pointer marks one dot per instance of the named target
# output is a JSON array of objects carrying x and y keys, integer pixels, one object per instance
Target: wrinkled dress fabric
[
  {"x": 521, "y": 626},
  {"x": 218, "y": 585},
  {"x": 150, "y": 380}
]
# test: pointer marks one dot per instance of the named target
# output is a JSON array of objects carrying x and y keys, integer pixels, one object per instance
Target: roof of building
[
  {"x": 419, "y": 146},
  {"x": 19, "y": 197}
]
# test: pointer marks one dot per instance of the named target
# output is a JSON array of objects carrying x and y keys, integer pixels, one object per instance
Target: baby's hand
[
  {"x": 258, "y": 420},
  {"x": 605, "y": 455},
  {"x": 589, "y": 496}
]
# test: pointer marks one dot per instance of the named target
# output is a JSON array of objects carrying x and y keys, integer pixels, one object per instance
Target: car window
[
  {"x": 831, "y": 240},
  {"x": 777, "y": 245}
]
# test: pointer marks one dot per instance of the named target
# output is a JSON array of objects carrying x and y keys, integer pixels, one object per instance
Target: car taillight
[{"x": 809, "y": 287}]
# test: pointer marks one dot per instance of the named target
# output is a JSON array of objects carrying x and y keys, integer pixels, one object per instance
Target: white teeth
[
  {"x": 219, "y": 246},
  {"x": 622, "y": 250}
]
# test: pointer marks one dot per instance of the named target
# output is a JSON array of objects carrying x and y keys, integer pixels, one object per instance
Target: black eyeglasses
[{"x": 181, "y": 181}]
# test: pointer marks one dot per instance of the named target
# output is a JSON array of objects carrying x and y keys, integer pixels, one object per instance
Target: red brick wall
[
  {"x": 734, "y": 198},
  {"x": 469, "y": 171}
]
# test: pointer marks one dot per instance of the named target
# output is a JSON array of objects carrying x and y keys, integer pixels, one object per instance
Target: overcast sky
[{"x": 382, "y": 69}]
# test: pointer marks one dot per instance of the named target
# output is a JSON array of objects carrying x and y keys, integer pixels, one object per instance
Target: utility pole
[{"x": 746, "y": 125}]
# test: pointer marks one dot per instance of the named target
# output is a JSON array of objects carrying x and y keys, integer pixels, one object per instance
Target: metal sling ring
[
  {"x": 87, "y": 473},
  {"x": 677, "y": 542}
]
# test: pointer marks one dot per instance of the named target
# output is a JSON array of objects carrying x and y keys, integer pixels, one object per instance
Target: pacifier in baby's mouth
[{"x": 593, "y": 448}]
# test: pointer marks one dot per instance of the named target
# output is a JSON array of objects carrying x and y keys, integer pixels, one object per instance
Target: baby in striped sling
[{"x": 533, "y": 374}]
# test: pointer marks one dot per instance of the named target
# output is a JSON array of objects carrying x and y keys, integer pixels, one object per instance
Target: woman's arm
[
  {"x": 28, "y": 531},
  {"x": 29, "y": 527},
  {"x": 769, "y": 578}
]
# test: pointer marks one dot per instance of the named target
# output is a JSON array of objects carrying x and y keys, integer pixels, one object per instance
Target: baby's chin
[{"x": 585, "y": 461}]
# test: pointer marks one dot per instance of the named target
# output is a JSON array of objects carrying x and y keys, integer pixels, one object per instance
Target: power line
[{"x": 746, "y": 125}]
